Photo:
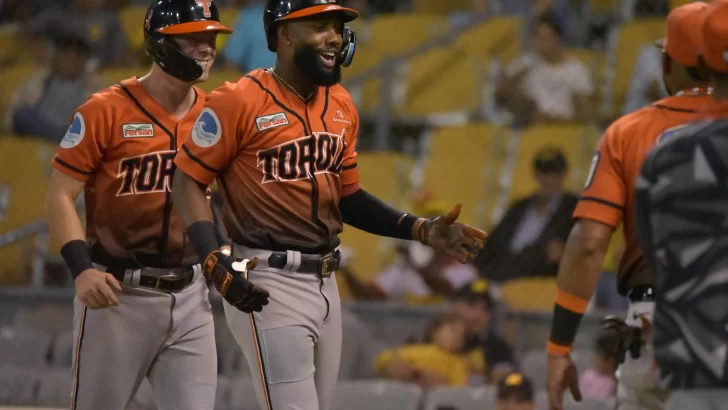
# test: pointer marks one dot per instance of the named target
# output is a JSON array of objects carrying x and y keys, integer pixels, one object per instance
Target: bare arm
[
  {"x": 583, "y": 258},
  {"x": 94, "y": 289}
]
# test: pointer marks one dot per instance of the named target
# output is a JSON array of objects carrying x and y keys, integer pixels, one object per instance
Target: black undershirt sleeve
[{"x": 364, "y": 211}]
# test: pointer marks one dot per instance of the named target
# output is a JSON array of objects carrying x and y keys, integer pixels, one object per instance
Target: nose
[{"x": 334, "y": 37}]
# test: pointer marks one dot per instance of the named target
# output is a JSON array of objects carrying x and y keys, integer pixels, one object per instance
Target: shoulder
[
  {"x": 104, "y": 105},
  {"x": 341, "y": 96}
]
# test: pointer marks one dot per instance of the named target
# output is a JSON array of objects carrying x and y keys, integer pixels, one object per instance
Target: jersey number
[{"x": 146, "y": 173}]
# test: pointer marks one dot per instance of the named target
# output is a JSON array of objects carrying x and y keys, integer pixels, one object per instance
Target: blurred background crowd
[{"x": 495, "y": 104}]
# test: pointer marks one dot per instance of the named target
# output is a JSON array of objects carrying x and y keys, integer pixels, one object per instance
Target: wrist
[
  {"x": 203, "y": 238},
  {"x": 568, "y": 312},
  {"x": 419, "y": 232},
  {"x": 76, "y": 255}
]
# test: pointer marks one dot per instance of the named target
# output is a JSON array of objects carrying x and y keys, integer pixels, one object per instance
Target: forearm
[
  {"x": 192, "y": 206},
  {"x": 577, "y": 280},
  {"x": 64, "y": 224},
  {"x": 364, "y": 211}
]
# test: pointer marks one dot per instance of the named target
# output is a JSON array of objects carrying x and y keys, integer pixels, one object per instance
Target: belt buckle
[
  {"x": 329, "y": 264},
  {"x": 168, "y": 279}
]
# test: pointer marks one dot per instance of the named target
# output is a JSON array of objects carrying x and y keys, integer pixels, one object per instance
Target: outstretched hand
[{"x": 459, "y": 241}]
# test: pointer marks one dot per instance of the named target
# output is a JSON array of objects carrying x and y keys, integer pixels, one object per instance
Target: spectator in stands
[
  {"x": 600, "y": 382},
  {"x": 646, "y": 85},
  {"x": 419, "y": 275},
  {"x": 437, "y": 362},
  {"x": 548, "y": 85},
  {"x": 42, "y": 105},
  {"x": 247, "y": 48},
  {"x": 93, "y": 20},
  {"x": 529, "y": 240},
  {"x": 515, "y": 392},
  {"x": 489, "y": 357}
]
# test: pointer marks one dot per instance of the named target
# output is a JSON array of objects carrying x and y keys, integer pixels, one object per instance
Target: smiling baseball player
[
  {"x": 281, "y": 144},
  {"x": 141, "y": 307}
]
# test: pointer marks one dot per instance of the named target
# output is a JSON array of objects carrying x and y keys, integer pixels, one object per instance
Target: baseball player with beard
[{"x": 281, "y": 143}]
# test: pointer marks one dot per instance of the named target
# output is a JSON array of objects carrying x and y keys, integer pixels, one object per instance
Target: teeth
[{"x": 203, "y": 63}]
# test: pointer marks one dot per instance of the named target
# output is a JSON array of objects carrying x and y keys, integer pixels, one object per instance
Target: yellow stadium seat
[
  {"x": 631, "y": 38},
  {"x": 391, "y": 35},
  {"x": 462, "y": 166},
  {"x": 25, "y": 165},
  {"x": 499, "y": 38},
  {"x": 604, "y": 6},
  {"x": 440, "y": 6},
  {"x": 385, "y": 175},
  {"x": 575, "y": 141},
  {"x": 132, "y": 24},
  {"x": 529, "y": 294},
  {"x": 444, "y": 80}
]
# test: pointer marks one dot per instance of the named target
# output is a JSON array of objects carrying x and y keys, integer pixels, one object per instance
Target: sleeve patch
[
  {"x": 75, "y": 132},
  {"x": 592, "y": 170},
  {"x": 207, "y": 130}
]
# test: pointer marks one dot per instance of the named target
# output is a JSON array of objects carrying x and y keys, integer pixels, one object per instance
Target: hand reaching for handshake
[
  {"x": 231, "y": 280},
  {"x": 459, "y": 241}
]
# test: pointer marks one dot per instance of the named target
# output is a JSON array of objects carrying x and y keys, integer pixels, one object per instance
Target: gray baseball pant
[
  {"x": 293, "y": 346},
  {"x": 167, "y": 337}
]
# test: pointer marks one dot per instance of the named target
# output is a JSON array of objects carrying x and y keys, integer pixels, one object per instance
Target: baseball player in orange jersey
[
  {"x": 281, "y": 143},
  {"x": 141, "y": 306},
  {"x": 607, "y": 201}
]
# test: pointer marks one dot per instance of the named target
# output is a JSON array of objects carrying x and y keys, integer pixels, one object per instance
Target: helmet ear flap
[{"x": 346, "y": 55}]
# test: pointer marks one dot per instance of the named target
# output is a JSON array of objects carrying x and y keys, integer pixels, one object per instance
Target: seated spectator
[
  {"x": 646, "y": 85},
  {"x": 489, "y": 356},
  {"x": 599, "y": 382},
  {"x": 549, "y": 85},
  {"x": 42, "y": 106},
  {"x": 437, "y": 362},
  {"x": 529, "y": 240},
  {"x": 479, "y": 10},
  {"x": 247, "y": 47},
  {"x": 96, "y": 22},
  {"x": 515, "y": 392}
]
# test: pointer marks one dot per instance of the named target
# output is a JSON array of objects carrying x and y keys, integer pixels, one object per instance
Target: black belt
[
  {"x": 315, "y": 264},
  {"x": 164, "y": 283},
  {"x": 641, "y": 293}
]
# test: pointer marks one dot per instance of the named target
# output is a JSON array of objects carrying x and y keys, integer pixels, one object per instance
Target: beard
[{"x": 308, "y": 60}]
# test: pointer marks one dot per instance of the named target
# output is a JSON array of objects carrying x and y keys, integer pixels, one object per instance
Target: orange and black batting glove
[
  {"x": 568, "y": 311},
  {"x": 231, "y": 283}
]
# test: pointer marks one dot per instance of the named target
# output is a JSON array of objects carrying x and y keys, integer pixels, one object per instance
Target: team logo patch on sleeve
[
  {"x": 207, "y": 130},
  {"x": 271, "y": 121},
  {"x": 75, "y": 132},
  {"x": 137, "y": 131}
]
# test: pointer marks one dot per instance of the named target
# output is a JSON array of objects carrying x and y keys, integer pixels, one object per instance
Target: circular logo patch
[
  {"x": 75, "y": 132},
  {"x": 206, "y": 132}
]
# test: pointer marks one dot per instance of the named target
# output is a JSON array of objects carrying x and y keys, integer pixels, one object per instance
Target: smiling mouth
[
  {"x": 203, "y": 63},
  {"x": 328, "y": 58}
]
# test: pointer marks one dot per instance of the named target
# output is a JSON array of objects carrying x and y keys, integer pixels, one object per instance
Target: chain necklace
[
  {"x": 290, "y": 87},
  {"x": 696, "y": 91}
]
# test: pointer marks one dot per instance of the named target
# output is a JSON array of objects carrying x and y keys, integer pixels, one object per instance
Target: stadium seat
[
  {"x": 443, "y": 80},
  {"x": 25, "y": 164},
  {"x": 17, "y": 385},
  {"x": 461, "y": 398},
  {"x": 385, "y": 175},
  {"x": 499, "y": 38},
  {"x": 631, "y": 37},
  {"x": 63, "y": 350},
  {"x": 48, "y": 318},
  {"x": 391, "y": 35},
  {"x": 441, "y": 7},
  {"x": 529, "y": 294},
  {"x": 376, "y": 394},
  {"x": 462, "y": 165},
  {"x": 575, "y": 141},
  {"x": 242, "y": 394},
  {"x": 132, "y": 24},
  {"x": 23, "y": 346},
  {"x": 55, "y": 388}
]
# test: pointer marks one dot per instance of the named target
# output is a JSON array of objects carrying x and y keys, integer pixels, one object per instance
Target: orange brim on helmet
[
  {"x": 349, "y": 14},
  {"x": 195, "y": 27}
]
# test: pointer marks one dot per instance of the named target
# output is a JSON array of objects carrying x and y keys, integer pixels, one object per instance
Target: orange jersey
[
  {"x": 281, "y": 164},
  {"x": 608, "y": 195},
  {"x": 122, "y": 143}
]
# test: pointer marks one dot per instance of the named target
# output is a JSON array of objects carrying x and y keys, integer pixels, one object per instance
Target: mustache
[{"x": 307, "y": 58}]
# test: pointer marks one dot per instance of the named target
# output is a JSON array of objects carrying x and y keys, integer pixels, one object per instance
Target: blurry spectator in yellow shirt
[{"x": 437, "y": 362}]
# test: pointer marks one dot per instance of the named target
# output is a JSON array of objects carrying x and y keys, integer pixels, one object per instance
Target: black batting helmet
[
  {"x": 281, "y": 10},
  {"x": 173, "y": 17}
]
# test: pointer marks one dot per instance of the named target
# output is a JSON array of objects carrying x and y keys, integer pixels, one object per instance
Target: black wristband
[
  {"x": 204, "y": 238},
  {"x": 77, "y": 257},
  {"x": 564, "y": 326},
  {"x": 404, "y": 227}
]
